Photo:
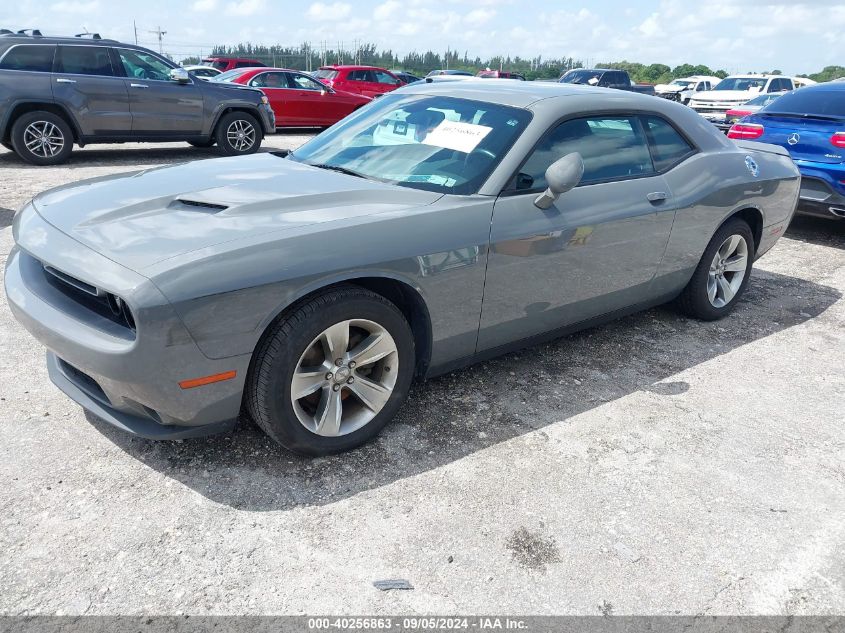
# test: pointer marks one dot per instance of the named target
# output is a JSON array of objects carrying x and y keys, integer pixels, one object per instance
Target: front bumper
[{"x": 128, "y": 378}]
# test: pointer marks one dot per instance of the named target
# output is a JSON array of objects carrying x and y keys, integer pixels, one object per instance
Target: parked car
[
  {"x": 435, "y": 73},
  {"x": 298, "y": 99},
  {"x": 203, "y": 72},
  {"x": 363, "y": 80},
  {"x": 750, "y": 107},
  {"x": 499, "y": 74},
  {"x": 223, "y": 63},
  {"x": 681, "y": 90},
  {"x": 734, "y": 91},
  {"x": 55, "y": 92},
  {"x": 405, "y": 77},
  {"x": 418, "y": 237},
  {"x": 605, "y": 78},
  {"x": 810, "y": 124}
]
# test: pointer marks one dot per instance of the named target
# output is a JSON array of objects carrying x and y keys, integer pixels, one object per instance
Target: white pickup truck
[
  {"x": 736, "y": 90},
  {"x": 683, "y": 89}
]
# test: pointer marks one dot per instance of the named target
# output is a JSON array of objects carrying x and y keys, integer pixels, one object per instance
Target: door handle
[
  {"x": 657, "y": 196},
  {"x": 138, "y": 86},
  {"x": 62, "y": 80}
]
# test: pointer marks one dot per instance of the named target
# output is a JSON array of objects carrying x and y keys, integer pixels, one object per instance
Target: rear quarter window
[
  {"x": 33, "y": 58},
  {"x": 668, "y": 147}
]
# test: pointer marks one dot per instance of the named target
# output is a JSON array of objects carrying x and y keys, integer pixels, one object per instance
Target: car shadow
[
  {"x": 6, "y": 217},
  {"x": 819, "y": 231},
  {"x": 459, "y": 414}
]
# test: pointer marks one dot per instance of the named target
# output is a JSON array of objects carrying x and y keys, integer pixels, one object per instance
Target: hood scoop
[{"x": 198, "y": 205}]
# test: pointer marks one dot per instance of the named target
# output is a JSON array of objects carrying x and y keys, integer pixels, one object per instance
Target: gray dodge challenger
[{"x": 439, "y": 225}]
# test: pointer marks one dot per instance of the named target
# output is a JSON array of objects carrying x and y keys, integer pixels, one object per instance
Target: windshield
[
  {"x": 581, "y": 77},
  {"x": 432, "y": 143},
  {"x": 762, "y": 100},
  {"x": 326, "y": 73},
  {"x": 215, "y": 63},
  {"x": 229, "y": 75},
  {"x": 810, "y": 101},
  {"x": 682, "y": 83},
  {"x": 742, "y": 83}
]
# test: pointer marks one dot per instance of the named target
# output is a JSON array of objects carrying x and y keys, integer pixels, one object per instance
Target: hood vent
[{"x": 201, "y": 205}]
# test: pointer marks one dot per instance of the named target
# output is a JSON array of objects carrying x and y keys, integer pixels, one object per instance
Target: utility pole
[
  {"x": 160, "y": 34},
  {"x": 135, "y": 26}
]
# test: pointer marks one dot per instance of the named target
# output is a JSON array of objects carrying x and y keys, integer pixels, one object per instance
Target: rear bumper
[{"x": 819, "y": 196}]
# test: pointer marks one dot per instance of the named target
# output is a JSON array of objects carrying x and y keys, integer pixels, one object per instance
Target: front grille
[{"x": 103, "y": 303}]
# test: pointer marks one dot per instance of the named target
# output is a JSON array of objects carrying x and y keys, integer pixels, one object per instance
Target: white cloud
[
  {"x": 204, "y": 5},
  {"x": 74, "y": 6},
  {"x": 479, "y": 16},
  {"x": 245, "y": 7},
  {"x": 330, "y": 12},
  {"x": 386, "y": 10}
]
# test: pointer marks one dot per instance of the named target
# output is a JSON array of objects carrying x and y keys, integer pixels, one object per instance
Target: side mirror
[
  {"x": 180, "y": 75},
  {"x": 561, "y": 176}
]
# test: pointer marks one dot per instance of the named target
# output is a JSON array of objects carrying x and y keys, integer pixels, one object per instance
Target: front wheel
[
  {"x": 332, "y": 373},
  {"x": 237, "y": 133},
  {"x": 42, "y": 138},
  {"x": 722, "y": 274}
]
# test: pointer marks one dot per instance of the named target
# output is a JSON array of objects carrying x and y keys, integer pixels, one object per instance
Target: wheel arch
[
  {"x": 401, "y": 293},
  {"x": 754, "y": 218},
  {"x": 226, "y": 109},
  {"x": 24, "y": 107}
]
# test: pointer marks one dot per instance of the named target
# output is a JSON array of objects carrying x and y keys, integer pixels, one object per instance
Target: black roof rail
[
  {"x": 93, "y": 36},
  {"x": 33, "y": 32},
  {"x": 6, "y": 32}
]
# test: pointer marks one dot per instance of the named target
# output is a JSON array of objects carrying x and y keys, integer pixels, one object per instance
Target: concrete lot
[{"x": 655, "y": 465}]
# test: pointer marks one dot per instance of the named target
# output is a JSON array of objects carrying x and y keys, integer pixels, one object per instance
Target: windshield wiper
[{"x": 339, "y": 169}]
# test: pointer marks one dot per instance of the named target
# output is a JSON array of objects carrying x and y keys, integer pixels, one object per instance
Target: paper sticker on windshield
[{"x": 457, "y": 135}]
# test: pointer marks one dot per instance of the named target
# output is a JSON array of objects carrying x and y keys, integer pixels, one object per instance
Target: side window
[
  {"x": 141, "y": 65},
  {"x": 384, "y": 78},
  {"x": 301, "y": 82},
  {"x": 84, "y": 60},
  {"x": 667, "y": 145},
  {"x": 244, "y": 65},
  {"x": 269, "y": 80},
  {"x": 32, "y": 58},
  {"x": 357, "y": 75},
  {"x": 612, "y": 148}
]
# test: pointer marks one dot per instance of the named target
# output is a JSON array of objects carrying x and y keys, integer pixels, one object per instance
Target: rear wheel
[
  {"x": 237, "y": 133},
  {"x": 331, "y": 374},
  {"x": 722, "y": 274},
  {"x": 42, "y": 138}
]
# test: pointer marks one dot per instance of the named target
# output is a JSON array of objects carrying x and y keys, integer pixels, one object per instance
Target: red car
[
  {"x": 230, "y": 63},
  {"x": 369, "y": 81},
  {"x": 297, "y": 99}
]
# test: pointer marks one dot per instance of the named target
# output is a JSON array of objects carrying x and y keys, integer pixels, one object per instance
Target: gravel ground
[{"x": 655, "y": 465}]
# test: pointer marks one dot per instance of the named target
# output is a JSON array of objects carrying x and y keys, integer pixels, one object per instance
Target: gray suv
[{"x": 55, "y": 92}]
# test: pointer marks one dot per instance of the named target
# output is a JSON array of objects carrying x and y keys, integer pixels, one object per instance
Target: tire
[
  {"x": 299, "y": 341},
  {"x": 235, "y": 123},
  {"x": 8, "y": 146},
  {"x": 203, "y": 144},
  {"x": 29, "y": 125},
  {"x": 711, "y": 276}
]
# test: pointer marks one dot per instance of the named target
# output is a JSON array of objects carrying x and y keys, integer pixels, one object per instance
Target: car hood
[
  {"x": 668, "y": 88},
  {"x": 142, "y": 218}
]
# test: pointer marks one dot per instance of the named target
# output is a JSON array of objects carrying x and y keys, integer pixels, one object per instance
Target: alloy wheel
[
  {"x": 345, "y": 377},
  {"x": 727, "y": 271},
  {"x": 241, "y": 135},
  {"x": 43, "y": 139}
]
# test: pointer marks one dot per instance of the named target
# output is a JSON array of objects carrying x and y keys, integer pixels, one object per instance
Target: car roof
[
  {"x": 233, "y": 59},
  {"x": 352, "y": 67},
  {"x": 518, "y": 93}
]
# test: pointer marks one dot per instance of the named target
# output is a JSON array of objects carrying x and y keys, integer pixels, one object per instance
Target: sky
[{"x": 734, "y": 35}]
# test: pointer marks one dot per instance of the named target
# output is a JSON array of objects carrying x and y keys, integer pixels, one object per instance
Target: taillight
[
  {"x": 745, "y": 131},
  {"x": 838, "y": 140}
]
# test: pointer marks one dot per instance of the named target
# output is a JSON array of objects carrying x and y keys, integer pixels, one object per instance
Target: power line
[{"x": 160, "y": 34}]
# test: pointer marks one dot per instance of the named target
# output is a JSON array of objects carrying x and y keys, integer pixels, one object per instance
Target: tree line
[{"x": 307, "y": 57}]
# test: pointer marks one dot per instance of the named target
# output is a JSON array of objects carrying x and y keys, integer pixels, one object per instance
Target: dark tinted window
[
  {"x": 822, "y": 100},
  {"x": 384, "y": 78},
  {"x": 84, "y": 60},
  {"x": 360, "y": 75},
  {"x": 32, "y": 58},
  {"x": 612, "y": 148},
  {"x": 218, "y": 64},
  {"x": 668, "y": 147}
]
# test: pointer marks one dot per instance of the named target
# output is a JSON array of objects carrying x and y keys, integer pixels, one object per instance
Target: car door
[
  {"x": 321, "y": 105},
  {"x": 275, "y": 85},
  {"x": 85, "y": 82},
  {"x": 595, "y": 251},
  {"x": 159, "y": 105}
]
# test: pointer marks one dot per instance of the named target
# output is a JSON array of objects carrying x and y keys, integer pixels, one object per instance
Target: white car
[
  {"x": 736, "y": 90},
  {"x": 683, "y": 89},
  {"x": 203, "y": 72}
]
